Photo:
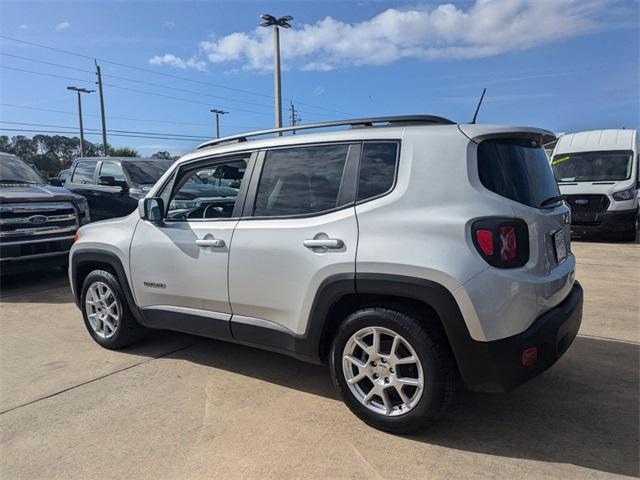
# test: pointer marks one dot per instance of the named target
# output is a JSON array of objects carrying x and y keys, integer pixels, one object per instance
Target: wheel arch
[{"x": 86, "y": 261}]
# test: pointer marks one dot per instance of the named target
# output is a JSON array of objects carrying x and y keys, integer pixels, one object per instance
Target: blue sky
[{"x": 564, "y": 65}]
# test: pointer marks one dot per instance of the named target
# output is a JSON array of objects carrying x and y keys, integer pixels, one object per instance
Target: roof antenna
[{"x": 475, "y": 115}]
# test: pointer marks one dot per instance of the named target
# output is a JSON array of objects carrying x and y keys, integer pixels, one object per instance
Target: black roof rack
[{"x": 354, "y": 123}]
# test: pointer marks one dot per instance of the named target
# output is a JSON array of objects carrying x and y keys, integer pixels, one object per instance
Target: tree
[
  {"x": 162, "y": 155},
  {"x": 123, "y": 152}
]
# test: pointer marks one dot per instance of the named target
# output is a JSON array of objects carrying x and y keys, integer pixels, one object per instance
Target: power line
[
  {"x": 151, "y": 120},
  {"x": 192, "y": 137},
  {"x": 249, "y": 92},
  {"x": 95, "y": 133}
]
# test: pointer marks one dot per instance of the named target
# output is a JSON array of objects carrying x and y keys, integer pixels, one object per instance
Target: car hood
[
  {"x": 36, "y": 193},
  {"x": 583, "y": 188}
]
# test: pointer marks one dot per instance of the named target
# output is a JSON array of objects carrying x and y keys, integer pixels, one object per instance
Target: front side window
[
  {"x": 377, "y": 169},
  {"x": 208, "y": 191},
  {"x": 593, "y": 166},
  {"x": 300, "y": 180},
  {"x": 112, "y": 169},
  {"x": 83, "y": 172}
]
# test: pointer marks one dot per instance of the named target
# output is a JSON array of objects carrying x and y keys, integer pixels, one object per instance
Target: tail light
[{"x": 502, "y": 242}]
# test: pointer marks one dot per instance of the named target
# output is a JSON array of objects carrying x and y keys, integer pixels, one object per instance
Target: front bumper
[
  {"x": 612, "y": 221},
  {"x": 497, "y": 366}
]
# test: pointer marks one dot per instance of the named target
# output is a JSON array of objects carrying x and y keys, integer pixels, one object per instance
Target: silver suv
[{"x": 405, "y": 252}]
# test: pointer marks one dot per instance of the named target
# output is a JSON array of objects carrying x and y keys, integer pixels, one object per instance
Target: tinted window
[
  {"x": 112, "y": 169},
  {"x": 517, "y": 170},
  {"x": 84, "y": 172},
  {"x": 377, "y": 169},
  {"x": 14, "y": 171},
  {"x": 592, "y": 166},
  {"x": 146, "y": 172},
  {"x": 297, "y": 181},
  {"x": 207, "y": 192}
]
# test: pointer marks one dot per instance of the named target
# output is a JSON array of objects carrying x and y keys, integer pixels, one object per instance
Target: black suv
[
  {"x": 113, "y": 185},
  {"x": 37, "y": 221}
]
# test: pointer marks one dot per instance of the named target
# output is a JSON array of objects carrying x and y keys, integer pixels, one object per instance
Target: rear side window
[
  {"x": 377, "y": 169},
  {"x": 83, "y": 172},
  {"x": 300, "y": 181},
  {"x": 518, "y": 170}
]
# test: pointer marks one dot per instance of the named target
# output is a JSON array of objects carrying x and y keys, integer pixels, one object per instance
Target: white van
[{"x": 598, "y": 174}]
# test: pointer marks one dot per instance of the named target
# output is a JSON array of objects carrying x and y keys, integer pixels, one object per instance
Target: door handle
[
  {"x": 323, "y": 243},
  {"x": 210, "y": 242}
]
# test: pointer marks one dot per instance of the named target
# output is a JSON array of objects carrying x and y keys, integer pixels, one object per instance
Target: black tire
[
  {"x": 432, "y": 349},
  {"x": 128, "y": 330}
]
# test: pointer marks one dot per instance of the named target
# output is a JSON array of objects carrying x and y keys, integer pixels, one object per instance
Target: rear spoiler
[{"x": 480, "y": 133}]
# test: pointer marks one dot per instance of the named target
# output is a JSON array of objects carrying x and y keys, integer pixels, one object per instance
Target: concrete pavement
[{"x": 178, "y": 406}]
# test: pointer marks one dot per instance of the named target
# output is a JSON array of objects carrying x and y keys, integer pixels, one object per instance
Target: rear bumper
[
  {"x": 497, "y": 366},
  {"x": 612, "y": 221}
]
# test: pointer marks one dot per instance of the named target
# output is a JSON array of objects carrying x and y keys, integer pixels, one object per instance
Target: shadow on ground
[
  {"x": 47, "y": 286},
  {"x": 584, "y": 411}
]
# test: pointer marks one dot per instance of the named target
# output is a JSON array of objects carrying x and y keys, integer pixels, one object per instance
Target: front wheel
[
  {"x": 106, "y": 312},
  {"x": 392, "y": 371}
]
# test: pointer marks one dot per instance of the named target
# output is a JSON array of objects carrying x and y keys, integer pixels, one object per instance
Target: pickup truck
[{"x": 38, "y": 222}]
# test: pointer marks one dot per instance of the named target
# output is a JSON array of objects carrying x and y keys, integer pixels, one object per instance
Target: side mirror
[
  {"x": 151, "y": 209},
  {"x": 56, "y": 182},
  {"x": 112, "y": 182}
]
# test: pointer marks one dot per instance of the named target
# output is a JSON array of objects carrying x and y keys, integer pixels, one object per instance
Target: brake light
[
  {"x": 502, "y": 242},
  {"x": 485, "y": 241}
]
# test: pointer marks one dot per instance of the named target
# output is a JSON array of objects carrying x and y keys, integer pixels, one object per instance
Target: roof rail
[{"x": 354, "y": 123}]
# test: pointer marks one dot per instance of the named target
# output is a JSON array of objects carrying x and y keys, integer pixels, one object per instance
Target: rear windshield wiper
[{"x": 551, "y": 200}]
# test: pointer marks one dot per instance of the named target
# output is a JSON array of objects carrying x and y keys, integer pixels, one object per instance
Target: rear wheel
[
  {"x": 106, "y": 312},
  {"x": 391, "y": 371}
]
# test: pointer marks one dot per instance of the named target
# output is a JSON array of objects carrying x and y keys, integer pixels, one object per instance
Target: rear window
[
  {"x": 146, "y": 172},
  {"x": 517, "y": 170}
]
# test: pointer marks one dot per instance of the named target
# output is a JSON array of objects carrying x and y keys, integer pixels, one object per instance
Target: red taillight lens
[
  {"x": 485, "y": 241},
  {"x": 529, "y": 356},
  {"x": 508, "y": 243}
]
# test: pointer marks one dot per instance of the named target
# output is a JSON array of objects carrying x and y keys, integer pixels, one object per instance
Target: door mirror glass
[{"x": 151, "y": 209}]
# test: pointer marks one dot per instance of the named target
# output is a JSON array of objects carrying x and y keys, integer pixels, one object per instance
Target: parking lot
[{"x": 178, "y": 406}]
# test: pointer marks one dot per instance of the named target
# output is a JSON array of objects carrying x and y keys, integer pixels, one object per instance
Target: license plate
[{"x": 561, "y": 245}]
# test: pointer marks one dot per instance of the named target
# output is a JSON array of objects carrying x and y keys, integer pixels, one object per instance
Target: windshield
[
  {"x": 593, "y": 166},
  {"x": 145, "y": 172},
  {"x": 518, "y": 170},
  {"x": 14, "y": 171}
]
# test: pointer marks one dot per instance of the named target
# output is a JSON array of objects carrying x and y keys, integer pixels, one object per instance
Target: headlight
[
  {"x": 627, "y": 194},
  {"x": 83, "y": 208}
]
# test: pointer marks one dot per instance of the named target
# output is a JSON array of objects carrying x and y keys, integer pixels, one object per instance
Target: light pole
[
  {"x": 271, "y": 21},
  {"x": 79, "y": 91},
  {"x": 218, "y": 113}
]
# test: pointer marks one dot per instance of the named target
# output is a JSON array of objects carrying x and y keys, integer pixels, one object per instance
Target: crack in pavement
[{"x": 98, "y": 378}]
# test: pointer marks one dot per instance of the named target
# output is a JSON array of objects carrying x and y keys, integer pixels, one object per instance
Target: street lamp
[
  {"x": 271, "y": 21},
  {"x": 218, "y": 113},
  {"x": 79, "y": 91}
]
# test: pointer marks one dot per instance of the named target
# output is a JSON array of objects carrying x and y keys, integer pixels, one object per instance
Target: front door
[
  {"x": 111, "y": 201},
  {"x": 298, "y": 229},
  {"x": 180, "y": 266}
]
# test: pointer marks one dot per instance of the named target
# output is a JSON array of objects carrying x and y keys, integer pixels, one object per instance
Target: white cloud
[
  {"x": 169, "y": 24},
  {"x": 485, "y": 28},
  {"x": 177, "y": 62},
  {"x": 23, "y": 27},
  {"x": 62, "y": 26}
]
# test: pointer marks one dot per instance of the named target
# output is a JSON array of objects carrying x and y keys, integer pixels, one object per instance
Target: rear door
[{"x": 298, "y": 229}]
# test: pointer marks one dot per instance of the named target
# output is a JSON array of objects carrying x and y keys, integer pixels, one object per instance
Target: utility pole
[
  {"x": 79, "y": 91},
  {"x": 218, "y": 113},
  {"x": 271, "y": 21},
  {"x": 104, "y": 125},
  {"x": 294, "y": 117}
]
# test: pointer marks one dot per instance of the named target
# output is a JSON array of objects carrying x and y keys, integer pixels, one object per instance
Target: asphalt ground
[{"x": 181, "y": 407}]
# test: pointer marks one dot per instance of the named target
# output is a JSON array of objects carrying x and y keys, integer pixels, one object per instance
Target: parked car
[
  {"x": 37, "y": 221},
  {"x": 58, "y": 180},
  {"x": 401, "y": 253},
  {"x": 599, "y": 176},
  {"x": 113, "y": 185}
]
